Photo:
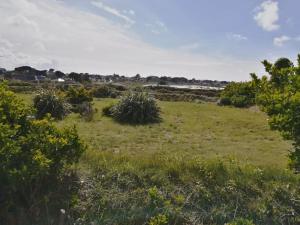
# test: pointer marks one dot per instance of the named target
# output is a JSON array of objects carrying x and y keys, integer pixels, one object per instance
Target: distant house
[
  {"x": 2, "y": 71},
  {"x": 27, "y": 73}
]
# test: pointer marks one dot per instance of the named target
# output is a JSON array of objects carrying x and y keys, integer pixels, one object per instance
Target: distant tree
[
  {"x": 59, "y": 74},
  {"x": 75, "y": 76},
  {"x": 283, "y": 63}
]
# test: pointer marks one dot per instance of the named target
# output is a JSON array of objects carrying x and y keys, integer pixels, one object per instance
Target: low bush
[
  {"x": 241, "y": 94},
  {"x": 79, "y": 95},
  {"x": 104, "y": 91},
  {"x": 50, "y": 102},
  {"x": 136, "y": 108},
  {"x": 86, "y": 111}
]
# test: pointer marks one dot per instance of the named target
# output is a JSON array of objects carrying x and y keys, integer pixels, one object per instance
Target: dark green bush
[
  {"x": 50, "y": 102},
  {"x": 34, "y": 156},
  {"x": 136, "y": 108},
  {"x": 104, "y": 91},
  {"x": 240, "y": 94}
]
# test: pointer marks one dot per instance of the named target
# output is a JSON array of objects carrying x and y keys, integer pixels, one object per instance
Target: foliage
[
  {"x": 279, "y": 97},
  {"x": 240, "y": 221},
  {"x": 79, "y": 77},
  {"x": 136, "y": 108},
  {"x": 86, "y": 111},
  {"x": 33, "y": 155},
  {"x": 108, "y": 110},
  {"x": 104, "y": 91},
  {"x": 169, "y": 189},
  {"x": 78, "y": 95},
  {"x": 50, "y": 102},
  {"x": 238, "y": 94},
  {"x": 283, "y": 63}
]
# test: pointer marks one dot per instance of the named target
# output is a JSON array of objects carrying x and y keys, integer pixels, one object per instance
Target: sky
[{"x": 215, "y": 39}]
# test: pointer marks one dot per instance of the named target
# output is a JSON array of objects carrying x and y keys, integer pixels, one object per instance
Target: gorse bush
[
  {"x": 136, "y": 108},
  {"x": 77, "y": 96},
  {"x": 34, "y": 155},
  {"x": 50, "y": 102},
  {"x": 240, "y": 94}
]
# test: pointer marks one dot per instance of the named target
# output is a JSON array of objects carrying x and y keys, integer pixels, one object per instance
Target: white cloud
[
  {"x": 158, "y": 27},
  {"x": 49, "y": 34},
  {"x": 267, "y": 15},
  {"x": 129, "y": 12},
  {"x": 114, "y": 11},
  {"x": 279, "y": 41},
  {"x": 236, "y": 37}
]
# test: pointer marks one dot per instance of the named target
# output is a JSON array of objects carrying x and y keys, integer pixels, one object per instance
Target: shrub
[
  {"x": 104, "y": 91},
  {"x": 34, "y": 155},
  {"x": 77, "y": 96},
  {"x": 86, "y": 111},
  {"x": 240, "y": 94},
  {"x": 136, "y": 108},
  {"x": 48, "y": 101}
]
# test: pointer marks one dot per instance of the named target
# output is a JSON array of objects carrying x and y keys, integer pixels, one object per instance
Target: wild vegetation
[
  {"x": 279, "y": 97},
  {"x": 201, "y": 164},
  {"x": 135, "y": 108},
  {"x": 238, "y": 94},
  {"x": 50, "y": 102},
  {"x": 34, "y": 157}
]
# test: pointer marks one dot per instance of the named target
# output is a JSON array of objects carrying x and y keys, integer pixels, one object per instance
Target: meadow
[
  {"x": 203, "y": 164},
  {"x": 189, "y": 129}
]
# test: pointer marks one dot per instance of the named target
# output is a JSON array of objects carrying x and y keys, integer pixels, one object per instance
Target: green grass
[
  {"x": 188, "y": 129},
  {"x": 199, "y": 166}
]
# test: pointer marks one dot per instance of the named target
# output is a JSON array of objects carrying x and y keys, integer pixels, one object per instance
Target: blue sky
[{"x": 214, "y": 39}]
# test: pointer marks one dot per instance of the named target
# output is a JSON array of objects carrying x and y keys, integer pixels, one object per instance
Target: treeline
[{"x": 27, "y": 73}]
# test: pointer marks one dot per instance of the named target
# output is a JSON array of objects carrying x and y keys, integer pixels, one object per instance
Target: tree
[
  {"x": 279, "y": 97},
  {"x": 282, "y": 63},
  {"x": 34, "y": 155}
]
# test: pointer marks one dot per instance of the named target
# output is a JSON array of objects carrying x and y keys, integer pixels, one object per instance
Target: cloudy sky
[{"x": 216, "y": 39}]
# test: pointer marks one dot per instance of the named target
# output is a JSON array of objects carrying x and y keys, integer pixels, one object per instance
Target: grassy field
[
  {"x": 189, "y": 129},
  {"x": 199, "y": 166}
]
